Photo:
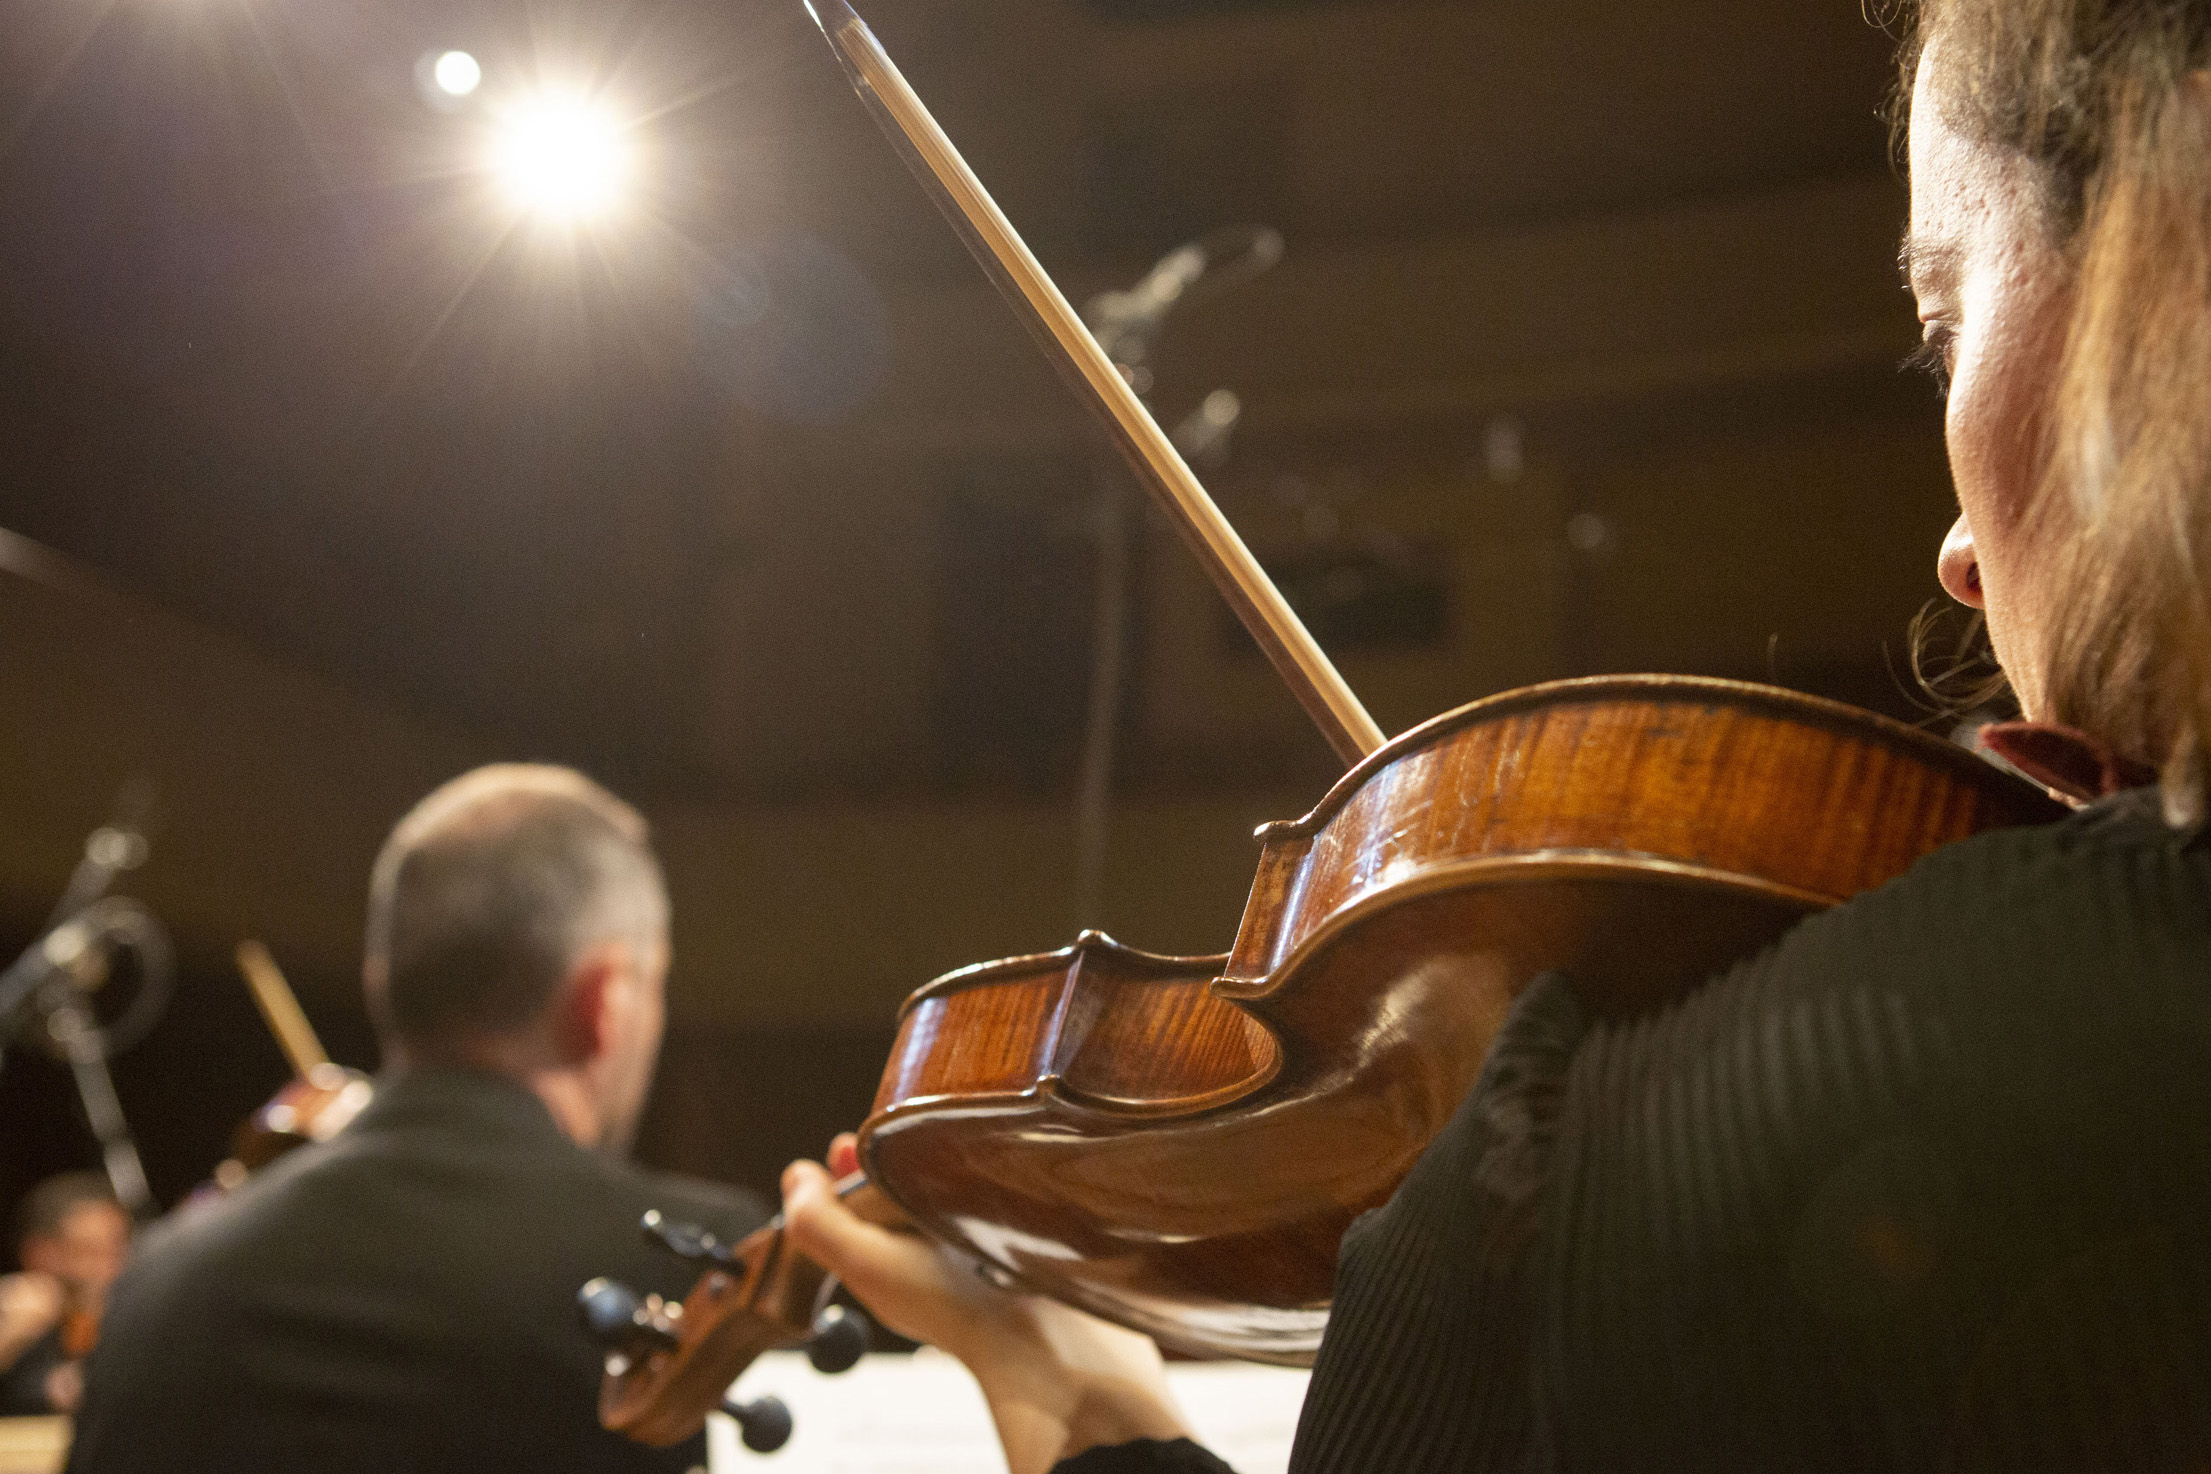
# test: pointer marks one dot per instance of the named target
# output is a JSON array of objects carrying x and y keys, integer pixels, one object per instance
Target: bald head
[{"x": 489, "y": 893}]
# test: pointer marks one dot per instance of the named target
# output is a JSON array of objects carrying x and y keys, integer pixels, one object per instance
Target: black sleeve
[
  {"x": 1925, "y": 1186},
  {"x": 23, "y": 1385},
  {"x": 1145, "y": 1456},
  {"x": 1425, "y": 1361}
]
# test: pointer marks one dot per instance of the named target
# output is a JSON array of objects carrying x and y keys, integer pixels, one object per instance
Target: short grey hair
[{"x": 489, "y": 892}]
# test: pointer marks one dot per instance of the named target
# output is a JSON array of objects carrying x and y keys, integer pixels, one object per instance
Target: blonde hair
[{"x": 2109, "y": 101}]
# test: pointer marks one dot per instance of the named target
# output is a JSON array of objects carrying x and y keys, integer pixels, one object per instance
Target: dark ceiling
[{"x": 273, "y": 352}]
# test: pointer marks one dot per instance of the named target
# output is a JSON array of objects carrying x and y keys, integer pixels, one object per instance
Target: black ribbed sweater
[{"x": 1926, "y": 1186}]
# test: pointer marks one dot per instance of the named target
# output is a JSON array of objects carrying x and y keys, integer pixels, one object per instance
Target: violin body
[
  {"x": 1179, "y": 1143},
  {"x": 309, "y": 1108}
]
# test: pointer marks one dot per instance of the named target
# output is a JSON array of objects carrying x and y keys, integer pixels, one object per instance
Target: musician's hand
[
  {"x": 30, "y": 1306},
  {"x": 1057, "y": 1381},
  {"x": 65, "y": 1387}
]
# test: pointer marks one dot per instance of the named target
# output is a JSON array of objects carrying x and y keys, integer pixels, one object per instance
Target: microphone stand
[
  {"x": 55, "y": 977},
  {"x": 1111, "y": 515},
  {"x": 71, "y": 1026},
  {"x": 1127, "y": 325}
]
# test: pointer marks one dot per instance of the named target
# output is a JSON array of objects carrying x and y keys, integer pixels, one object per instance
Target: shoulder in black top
[
  {"x": 400, "y": 1299},
  {"x": 1925, "y": 1186}
]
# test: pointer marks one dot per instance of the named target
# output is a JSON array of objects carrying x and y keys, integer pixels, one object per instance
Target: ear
[{"x": 588, "y": 1020}]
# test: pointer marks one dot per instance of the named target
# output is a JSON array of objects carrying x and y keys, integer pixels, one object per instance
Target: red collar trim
[{"x": 2065, "y": 760}]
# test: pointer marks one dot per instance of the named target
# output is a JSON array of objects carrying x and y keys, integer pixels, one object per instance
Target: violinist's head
[
  {"x": 518, "y": 923},
  {"x": 2060, "y": 251},
  {"x": 73, "y": 1229}
]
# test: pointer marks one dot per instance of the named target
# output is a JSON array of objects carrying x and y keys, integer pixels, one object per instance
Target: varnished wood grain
[
  {"x": 1788, "y": 789},
  {"x": 1191, "y": 1178},
  {"x": 1148, "y": 1041},
  {"x": 978, "y": 1038},
  {"x": 1178, "y": 1143}
]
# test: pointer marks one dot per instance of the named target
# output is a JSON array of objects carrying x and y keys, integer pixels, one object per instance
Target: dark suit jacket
[
  {"x": 400, "y": 1299},
  {"x": 23, "y": 1384}
]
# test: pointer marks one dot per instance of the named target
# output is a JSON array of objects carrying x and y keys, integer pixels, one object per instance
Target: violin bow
[
  {"x": 1296, "y": 656},
  {"x": 278, "y": 1005}
]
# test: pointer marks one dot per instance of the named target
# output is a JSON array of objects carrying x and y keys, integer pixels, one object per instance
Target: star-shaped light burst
[{"x": 560, "y": 156}]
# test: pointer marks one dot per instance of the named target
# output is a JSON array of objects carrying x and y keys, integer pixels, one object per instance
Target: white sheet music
[{"x": 922, "y": 1414}]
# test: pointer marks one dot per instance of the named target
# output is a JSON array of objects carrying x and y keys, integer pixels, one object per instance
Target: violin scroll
[
  {"x": 616, "y": 1318},
  {"x": 669, "y": 1364},
  {"x": 838, "y": 1337},
  {"x": 629, "y": 1326}
]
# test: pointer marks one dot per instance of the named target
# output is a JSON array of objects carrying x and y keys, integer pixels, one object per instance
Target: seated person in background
[
  {"x": 402, "y": 1297},
  {"x": 75, "y": 1236}
]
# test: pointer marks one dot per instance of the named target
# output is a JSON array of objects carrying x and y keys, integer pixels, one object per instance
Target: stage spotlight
[
  {"x": 560, "y": 156},
  {"x": 447, "y": 80},
  {"x": 456, "y": 73}
]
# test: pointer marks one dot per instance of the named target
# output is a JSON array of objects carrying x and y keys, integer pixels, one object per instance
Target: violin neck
[
  {"x": 787, "y": 1286},
  {"x": 869, "y": 1202}
]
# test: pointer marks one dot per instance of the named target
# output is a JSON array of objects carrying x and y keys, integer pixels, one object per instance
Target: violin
[
  {"x": 1178, "y": 1143},
  {"x": 320, "y": 1099}
]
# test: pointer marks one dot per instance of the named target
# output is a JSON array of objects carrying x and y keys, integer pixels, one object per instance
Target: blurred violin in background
[{"x": 320, "y": 1099}]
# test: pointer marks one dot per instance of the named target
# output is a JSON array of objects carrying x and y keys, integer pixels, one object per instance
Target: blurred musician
[
  {"x": 401, "y": 1297},
  {"x": 75, "y": 1236}
]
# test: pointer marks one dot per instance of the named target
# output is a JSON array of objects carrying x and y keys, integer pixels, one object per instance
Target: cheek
[
  {"x": 1993, "y": 432},
  {"x": 1995, "y": 423}
]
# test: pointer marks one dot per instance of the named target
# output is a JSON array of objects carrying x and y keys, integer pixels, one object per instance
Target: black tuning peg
[
  {"x": 839, "y": 1340},
  {"x": 616, "y": 1319},
  {"x": 686, "y": 1241},
  {"x": 764, "y": 1423}
]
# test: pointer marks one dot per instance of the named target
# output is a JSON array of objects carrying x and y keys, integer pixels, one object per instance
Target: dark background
[{"x": 752, "y": 499}]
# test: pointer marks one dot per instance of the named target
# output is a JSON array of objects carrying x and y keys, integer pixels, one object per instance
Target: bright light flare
[
  {"x": 456, "y": 73},
  {"x": 560, "y": 156}
]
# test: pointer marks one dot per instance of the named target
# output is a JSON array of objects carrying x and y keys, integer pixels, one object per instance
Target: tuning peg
[
  {"x": 764, "y": 1423},
  {"x": 686, "y": 1241},
  {"x": 839, "y": 1340},
  {"x": 616, "y": 1319}
]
